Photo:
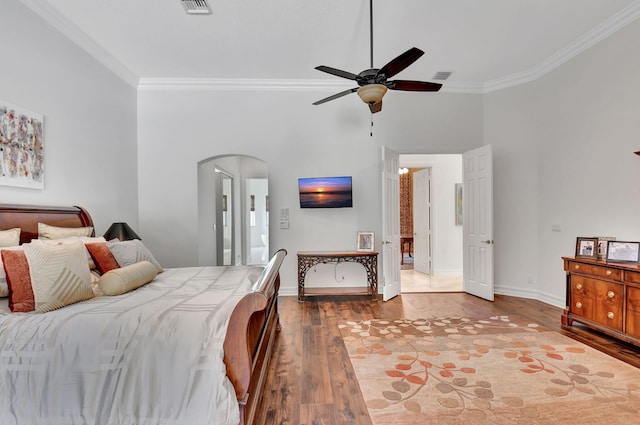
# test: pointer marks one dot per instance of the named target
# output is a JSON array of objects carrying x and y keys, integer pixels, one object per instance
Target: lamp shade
[
  {"x": 372, "y": 93},
  {"x": 120, "y": 231}
]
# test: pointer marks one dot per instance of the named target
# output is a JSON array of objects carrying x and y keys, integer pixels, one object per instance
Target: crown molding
[
  {"x": 75, "y": 34},
  {"x": 240, "y": 84},
  {"x": 586, "y": 41},
  {"x": 272, "y": 85}
]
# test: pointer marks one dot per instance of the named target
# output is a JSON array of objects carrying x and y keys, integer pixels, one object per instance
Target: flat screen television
[{"x": 325, "y": 192}]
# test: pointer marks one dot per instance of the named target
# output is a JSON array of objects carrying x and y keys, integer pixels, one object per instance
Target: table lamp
[{"x": 120, "y": 231}]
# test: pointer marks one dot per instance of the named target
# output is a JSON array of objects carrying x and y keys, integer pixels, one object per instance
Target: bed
[{"x": 191, "y": 346}]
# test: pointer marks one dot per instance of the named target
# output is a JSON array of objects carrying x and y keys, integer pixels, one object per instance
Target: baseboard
[{"x": 530, "y": 294}]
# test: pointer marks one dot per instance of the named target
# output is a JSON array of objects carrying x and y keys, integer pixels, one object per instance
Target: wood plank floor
[{"x": 311, "y": 380}]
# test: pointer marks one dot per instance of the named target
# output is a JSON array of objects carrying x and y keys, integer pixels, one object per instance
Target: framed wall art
[
  {"x": 458, "y": 198},
  {"x": 587, "y": 248},
  {"x": 619, "y": 251},
  {"x": 21, "y": 147},
  {"x": 366, "y": 241}
]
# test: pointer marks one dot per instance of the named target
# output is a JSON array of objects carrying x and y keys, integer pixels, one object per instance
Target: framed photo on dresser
[
  {"x": 587, "y": 248},
  {"x": 627, "y": 252}
]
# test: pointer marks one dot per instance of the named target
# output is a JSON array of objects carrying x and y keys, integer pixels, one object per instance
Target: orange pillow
[
  {"x": 102, "y": 256},
  {"x": 16, "y": 267}
]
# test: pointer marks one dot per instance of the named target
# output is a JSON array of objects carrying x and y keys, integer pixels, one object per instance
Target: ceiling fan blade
[
  {"x": 401, "y": 62},
  {"x": 407, "y": 85},
  {"x": 335, "y": 96},
  {"x": 375, "y": 107},
  {"x": 338, "y": 72}
]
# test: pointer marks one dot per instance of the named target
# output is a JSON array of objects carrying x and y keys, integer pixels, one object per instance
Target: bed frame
[{"x": 253, "y": 325}]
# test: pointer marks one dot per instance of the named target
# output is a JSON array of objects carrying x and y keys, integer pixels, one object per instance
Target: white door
[
  {"x": 390, "y": 223},
  {"x": 477, "y": 216},
  {"x": 422, "y": 221}
]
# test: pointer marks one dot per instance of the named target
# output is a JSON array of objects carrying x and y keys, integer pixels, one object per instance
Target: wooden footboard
[{"x": 250, "y": 337}]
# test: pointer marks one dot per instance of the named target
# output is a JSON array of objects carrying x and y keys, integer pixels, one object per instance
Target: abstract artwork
[{"x": 21, "y": 147}]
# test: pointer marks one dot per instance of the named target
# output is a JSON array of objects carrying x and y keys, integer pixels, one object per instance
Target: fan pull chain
[{"x": 371, "y": 133}]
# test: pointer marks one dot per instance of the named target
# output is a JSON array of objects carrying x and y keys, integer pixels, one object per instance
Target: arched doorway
[{"x": 233, "y": 210}]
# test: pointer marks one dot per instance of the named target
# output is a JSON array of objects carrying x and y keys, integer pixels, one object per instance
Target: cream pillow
[
  {"x": 46, "y": 231},
  {"x": 127, "y": 278},
  {"x": 131, "y": 252},
  {"x": 71, "y": 239},
  {"x": 59, "y": 275},
  {"x": 10, "y": 237}
]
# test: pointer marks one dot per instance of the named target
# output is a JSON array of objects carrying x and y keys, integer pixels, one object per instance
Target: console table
[{"x": 307, "y": 260}]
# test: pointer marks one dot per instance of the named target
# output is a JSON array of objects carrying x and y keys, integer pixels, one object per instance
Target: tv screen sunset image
[{"x": 325, "y": 192}]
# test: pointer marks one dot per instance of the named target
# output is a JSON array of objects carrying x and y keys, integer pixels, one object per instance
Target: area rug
[{"x": 493, "y": 370}]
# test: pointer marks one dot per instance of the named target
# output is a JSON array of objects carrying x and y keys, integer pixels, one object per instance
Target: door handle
[{"x": 488, "y": 242}]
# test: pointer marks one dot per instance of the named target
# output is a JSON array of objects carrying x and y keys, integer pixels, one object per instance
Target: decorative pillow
[
  {"x": 102, "y": 257},
  {"x": 95, "y": 287},
  {"x": 127, "y": 278},
  {"x": 46, "y": 231},
  {"x": 63, "y": 241},
  {"x": 131, "y": 252},
  {"x": 59, "y": 275},
  {"x": 4, "y": 287},
  {"x": 10, "y": 237},
  {"x": 16, "y": 266}
]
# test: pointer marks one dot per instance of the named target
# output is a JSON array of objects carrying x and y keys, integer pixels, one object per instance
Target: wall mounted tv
[{"x": 325, "y": 192}]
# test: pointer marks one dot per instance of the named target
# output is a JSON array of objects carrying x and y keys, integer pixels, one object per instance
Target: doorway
[
  {"x": 233, "y": 217},
  {"x": 432, "y": 261}
]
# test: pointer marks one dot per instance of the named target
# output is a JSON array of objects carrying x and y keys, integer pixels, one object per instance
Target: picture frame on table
[
  {"x": 366, "y": 242},
  {"x": 623, "y": 252},
  {"x": 587, "y": 248},
  {"x": 603, "y": 242}
]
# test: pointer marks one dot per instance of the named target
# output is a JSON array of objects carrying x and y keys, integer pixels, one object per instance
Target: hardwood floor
[{"x": 311, "y": 380}]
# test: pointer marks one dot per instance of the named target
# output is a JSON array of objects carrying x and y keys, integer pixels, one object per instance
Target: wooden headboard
[{"x": 27, "y": 217}]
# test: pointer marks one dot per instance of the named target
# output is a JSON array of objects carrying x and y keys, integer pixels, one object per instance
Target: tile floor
[{"x": 413, "y": 281}]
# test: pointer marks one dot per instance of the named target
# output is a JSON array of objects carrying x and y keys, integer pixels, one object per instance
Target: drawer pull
[
  {"x": 578, "y": 286},
  {"x": 610, "y": 315},
  {"x": 611, "y": 294},
  {"x": 577, "y": 266},
  {"x": 579, "y": 304},
  {"x": 609, "y": 272}
]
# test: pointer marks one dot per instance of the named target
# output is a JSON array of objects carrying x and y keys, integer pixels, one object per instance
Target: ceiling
[{"x": 487, "y": 44}]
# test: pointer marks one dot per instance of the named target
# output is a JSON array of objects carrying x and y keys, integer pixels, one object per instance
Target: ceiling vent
[
  {"x": 442, "y": 75},
  {"x": 196, "y": 7}
]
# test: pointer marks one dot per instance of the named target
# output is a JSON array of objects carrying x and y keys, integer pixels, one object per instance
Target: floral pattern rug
[{"x": 493, "y": 370}]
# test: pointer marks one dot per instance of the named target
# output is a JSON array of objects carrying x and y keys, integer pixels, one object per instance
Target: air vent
[
  {"x": 442, "y": 75},
  {"x": 196, "y": 7}
]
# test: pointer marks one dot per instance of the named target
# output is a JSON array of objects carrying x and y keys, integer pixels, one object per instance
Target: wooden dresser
[{"x": 604, "y": 296}]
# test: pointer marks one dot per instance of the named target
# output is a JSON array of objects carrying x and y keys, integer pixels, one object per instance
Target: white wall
[
  {"x": 446, "y": 171},
  {"x": 178, "y": 128},
  {"x": 89, "y": 120},
  {"x": 564, "y": 148}
]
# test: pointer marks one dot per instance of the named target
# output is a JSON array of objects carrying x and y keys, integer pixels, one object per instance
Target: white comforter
[{"x": 152, "y": 356}]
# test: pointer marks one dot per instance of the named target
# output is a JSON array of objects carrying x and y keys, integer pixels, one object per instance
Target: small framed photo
[
  {"x": 587, "y": 248},
  {"x": 366, "y": 241},
  {"x": 602, "y": 246},
  {"x": 619, "y": 251}
]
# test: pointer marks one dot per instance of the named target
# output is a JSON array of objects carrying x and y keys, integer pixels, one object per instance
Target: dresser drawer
[
  {"x": 597, "y": 290},
  {"x": 595, "y": 270},
  {"x": 631, "y": 276}
]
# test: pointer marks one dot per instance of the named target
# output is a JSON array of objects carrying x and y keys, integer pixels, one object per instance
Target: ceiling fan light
[{"x": 372, "y": 93}]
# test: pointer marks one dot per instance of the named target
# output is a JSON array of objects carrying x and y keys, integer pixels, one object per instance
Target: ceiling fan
[{"x": 373, "y": 83}]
